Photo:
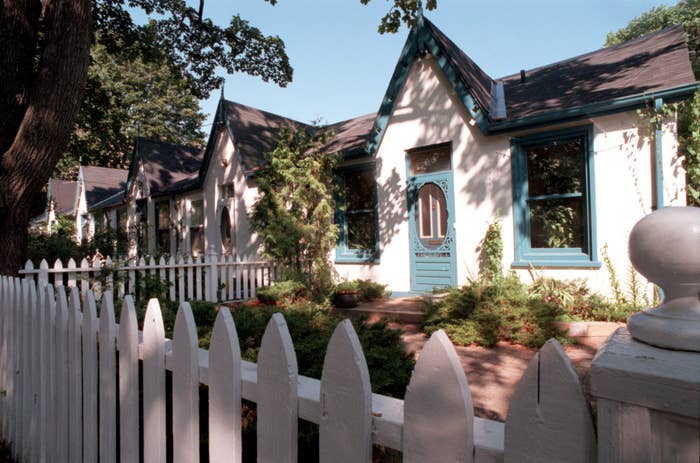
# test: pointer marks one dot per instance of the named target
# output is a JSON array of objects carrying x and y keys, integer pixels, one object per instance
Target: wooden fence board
[
  {"x": 224, "y": 391},
  {"x": 84, "y": 276},
  {"x": 75, "y": 382},
  {"x": 185, "y": 387},
  {"x": 108, "y": 380},
  {"x": 346, "y": 400},
  {"x": 48, "y": 388},
  {"x": 438, "y": 415},
  {"x": 172, "y": 283},
  {"x": 128, "y": 382},
  {"x": 549, "y": 418},
  {"x": 277, "y": 394},
  {"x": 154, "y": 443},
  {"x": 25, "y": 378},
  {"x": 4, "y": 333},
  {"x": 90, "y": 381},
  {"x": 61, "y": 385},
  {"x": 71, "y": 276}
]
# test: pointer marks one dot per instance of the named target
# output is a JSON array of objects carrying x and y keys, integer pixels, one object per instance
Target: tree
[
  {"x": 686, "y": 13},
  {"x": 43, "y": 69},
  {"x": 294, "y": 214},
  {"x": 122, "y": 100}
]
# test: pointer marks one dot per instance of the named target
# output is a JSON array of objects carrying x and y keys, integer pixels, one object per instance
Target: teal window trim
[
  {"x": 525, "y": 255},
  {"x": 344, "y": 254}
]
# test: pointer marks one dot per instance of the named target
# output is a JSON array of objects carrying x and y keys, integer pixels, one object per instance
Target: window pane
[
  {"x": 163, "y": 209},
  {"x": 164, "y": 240},
  {"x": 196, "y": 213},
  {"x": 441, "y": 210},
  {"x": 555, "y": 168},
  {"x": 362, "y": 231},
  {"x": 197, "y": 240},
  {"x": 225, "y": 229},
  {"x": 430, "y": 160},
  {"x": 557, "y": 223},
  {"x": 359, "y": 190},
  {"x": 426, "y": 230}
]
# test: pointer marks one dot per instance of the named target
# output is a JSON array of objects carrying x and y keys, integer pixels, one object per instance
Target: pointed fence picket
[
  {"x": 277, "y": 394},
  {"x": 549, "y": 412},
  {"x": 84, "y": 283},
  {"x": 185, "y": 387},
  {"x": 224, "y": 392},
  {"x": 153, "y": 349},
  {"x": 108, "y": 381},
  {"x": 71, "y": 276},
  {"x": 63, "y": 399},
  {"x": 90, "y": 380},
  {"x": 128, "y": 382},
  {"x": 346, "y": 400}
]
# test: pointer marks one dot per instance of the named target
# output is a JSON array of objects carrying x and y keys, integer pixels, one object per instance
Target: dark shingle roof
[
  {"x": 102, "y": 182},
  {"x": 63, "y": 194},
  {"x": 476, "y": 79},
  {"x": 255, "y": 132},
  {"x": 651, "y": 63},
  {"x": 116, "y": 199},
  {"x": 166, "y": 164}
]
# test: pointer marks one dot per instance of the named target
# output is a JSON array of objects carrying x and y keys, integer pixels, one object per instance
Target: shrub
[
  {"x": 368, "y": 290},
  {"x": 286, "y": 291},
  {"x": 346, "y": 287}
]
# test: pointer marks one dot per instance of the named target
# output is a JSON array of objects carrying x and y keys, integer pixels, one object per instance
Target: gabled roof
[
  {"x": 165, "y": 164},
  {"x": 619, "y": 78},
  {"x": 255, "y": 132},
  {"x": 63, "y": 194},
  {"x": 645, "y": 65},
  {"x": 102, "y": 182}
]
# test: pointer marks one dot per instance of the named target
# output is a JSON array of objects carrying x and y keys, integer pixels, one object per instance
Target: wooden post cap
[{"x": 665, "y": 247}]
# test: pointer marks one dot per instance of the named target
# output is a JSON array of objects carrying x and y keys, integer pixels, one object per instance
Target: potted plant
[{"x": 345, "y": 295}]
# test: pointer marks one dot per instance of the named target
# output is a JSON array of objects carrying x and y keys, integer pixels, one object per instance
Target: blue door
[{"x": 431, "y": 219}]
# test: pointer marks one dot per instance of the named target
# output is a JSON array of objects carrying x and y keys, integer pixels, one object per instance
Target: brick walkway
[{"x": 493, "y": 373}]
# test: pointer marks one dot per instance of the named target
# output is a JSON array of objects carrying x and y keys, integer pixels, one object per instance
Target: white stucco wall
[{"x": 428, "y": 112}]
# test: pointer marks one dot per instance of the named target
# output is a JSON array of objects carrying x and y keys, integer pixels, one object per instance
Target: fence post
[{"x": 84, "y": 276}]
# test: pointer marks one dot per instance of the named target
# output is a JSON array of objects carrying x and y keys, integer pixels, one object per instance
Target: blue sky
[{"x": 342, "y": 66}]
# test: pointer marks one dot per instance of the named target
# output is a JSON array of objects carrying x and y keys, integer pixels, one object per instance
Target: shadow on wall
[{"x": 393, "y": 207}]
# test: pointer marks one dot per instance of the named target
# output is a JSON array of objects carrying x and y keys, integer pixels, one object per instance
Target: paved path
[{"x": 493, "y": 373}]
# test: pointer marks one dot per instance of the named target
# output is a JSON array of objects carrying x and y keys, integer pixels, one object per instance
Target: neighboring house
[
  {"x": 60, "y": 201},
  {"x": 95, "y": 185},
  {"x": 560, "y": 154}
]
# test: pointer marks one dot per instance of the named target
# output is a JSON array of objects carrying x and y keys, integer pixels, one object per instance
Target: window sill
[
  {"x": 356, "y": 259},
  {"x": 544, "y": 263}
]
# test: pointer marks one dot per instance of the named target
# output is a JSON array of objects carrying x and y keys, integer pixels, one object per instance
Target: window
[
  {"x": 163, "y": 225},
  {"x": 122, "y": 237},
  {"x": 431, "y": 215},
  {"x": 553, "y": 199},
  {"x": 142, "y": 226},
  {"x": 357, "y": 215},
  {"x": 225, "y": 229},
  {"x": 197, "y": 227}
]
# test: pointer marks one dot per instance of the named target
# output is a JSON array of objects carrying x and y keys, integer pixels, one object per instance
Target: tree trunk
[{"x": 55, "y": 93}]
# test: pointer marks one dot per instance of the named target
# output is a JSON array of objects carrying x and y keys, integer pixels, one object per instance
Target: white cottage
[{"x": 559, "y": 154}]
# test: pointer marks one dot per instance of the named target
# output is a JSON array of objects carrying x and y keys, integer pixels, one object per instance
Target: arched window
[{"x": 225, "y": 229}]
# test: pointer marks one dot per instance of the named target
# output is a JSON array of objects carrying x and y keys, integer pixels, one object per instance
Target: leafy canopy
[
  {"x": 293, "y": 215},
  {"x": 686, "y": 13},
  {"x": 123, "y": 99}
]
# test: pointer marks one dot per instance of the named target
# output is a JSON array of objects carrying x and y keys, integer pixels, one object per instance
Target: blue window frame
[
  {"x": 356, "y": 215},
  {"x": 554, "y": 199}
]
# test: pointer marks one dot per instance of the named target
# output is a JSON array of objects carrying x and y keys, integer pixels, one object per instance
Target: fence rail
[
  {"x": 214, "y": 278},
  {"x": 65, "y": 393}
]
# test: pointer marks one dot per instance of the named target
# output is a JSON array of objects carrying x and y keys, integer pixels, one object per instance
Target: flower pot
[{"x": 345, "y": 300}]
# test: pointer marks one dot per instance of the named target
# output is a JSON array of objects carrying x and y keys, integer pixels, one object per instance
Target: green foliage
[
  {"x": 486, "y": 311},
  {"x": 491, "y": 252},
  {"x": 346, "y": 287},
  {"x": 60, "y": 244},
  {"x": 686, "y": 13},
  {"x": 401, "y": 11},
  {"x": 126, "y": 97},
  {"x": 293, "y": 215},
  {"x": 368, "y": 290},
  {"x": 285, "y": 291}
]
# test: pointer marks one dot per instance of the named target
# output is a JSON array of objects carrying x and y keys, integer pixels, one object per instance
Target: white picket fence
[
  {"x": 215, "y": 279},
  {"x": 61, "y": 380}
]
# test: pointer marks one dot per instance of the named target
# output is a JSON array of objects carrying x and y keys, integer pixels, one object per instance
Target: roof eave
[{"x": 616, "y": 105}]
